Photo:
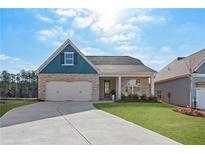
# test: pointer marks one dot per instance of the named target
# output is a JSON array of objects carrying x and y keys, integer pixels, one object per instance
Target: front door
[{"x": 107, "y": 88}]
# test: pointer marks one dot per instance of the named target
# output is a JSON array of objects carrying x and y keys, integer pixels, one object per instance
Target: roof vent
[{"x": 180, "y": 58}]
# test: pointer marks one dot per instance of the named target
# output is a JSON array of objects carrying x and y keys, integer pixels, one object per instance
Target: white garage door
[
  {"x": 200, "y": 98},
  {"x": 63, "y": 91}
]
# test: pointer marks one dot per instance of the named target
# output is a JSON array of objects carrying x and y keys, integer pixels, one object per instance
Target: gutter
[{"x": 191, "y": 87}]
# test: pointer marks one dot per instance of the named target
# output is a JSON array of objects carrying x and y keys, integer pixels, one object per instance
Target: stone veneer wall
[
  {"x": 43, "y": 78},
  {"x": 144, "y": 82}
]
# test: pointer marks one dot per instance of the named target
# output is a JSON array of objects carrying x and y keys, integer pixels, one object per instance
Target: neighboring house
[
  {"x": 69, "y": 75},
  {"x": 182, "y": 82}
]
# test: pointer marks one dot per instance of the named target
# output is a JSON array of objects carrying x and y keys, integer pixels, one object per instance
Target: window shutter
[
  {"x": 62, "y": 58},
  {"x": 75, "y": 58}
]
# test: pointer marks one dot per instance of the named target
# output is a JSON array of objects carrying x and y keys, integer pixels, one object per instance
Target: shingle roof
[
  {"x": 120, "y": 65},
  {"x": 124, "y": 70},
  {"x": 114, "y": 60},
  {"x": 181, "y": 66}
]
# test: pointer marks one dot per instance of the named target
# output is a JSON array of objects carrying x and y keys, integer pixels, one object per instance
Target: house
[
  {"x": 182, "y": 82},
  {"x": 70, "y": 75}
]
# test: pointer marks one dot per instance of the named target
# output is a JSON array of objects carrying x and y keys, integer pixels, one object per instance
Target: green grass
[
  {"x": 161, "y": 119},
  {"x": 10, "y": 104}
]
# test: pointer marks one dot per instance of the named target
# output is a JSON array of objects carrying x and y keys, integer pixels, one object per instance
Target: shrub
[
  {"x": 137, "y": 98},
  {"x": 124, "y": 98},
  {"x": 130, "y": 98},
  {"x": 153, "y": 99},
  {"x": 143, "y": 97}
]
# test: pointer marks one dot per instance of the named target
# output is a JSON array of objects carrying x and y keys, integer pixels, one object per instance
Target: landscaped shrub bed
[
  {"x": 190, "y": 111},
  {"x": 136, "y": 98}
]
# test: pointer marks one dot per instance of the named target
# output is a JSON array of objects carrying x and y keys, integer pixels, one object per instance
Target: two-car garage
[{"x": 64, "y": 91}]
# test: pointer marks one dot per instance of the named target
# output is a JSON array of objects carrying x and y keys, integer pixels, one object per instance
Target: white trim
[
  {"x": 67, "y": 42},
  {"x": 198, "y": 75},
  {"x": 119, "y": 88},
  {"x": 152, "y": 85},
  {"x": 67, "y": 64},
  {"x": 65, "y": 58},
  {"x": 203, "y": 61},
  {"x": 103, "y": 75},
  {"x": 190, "y": 92}
]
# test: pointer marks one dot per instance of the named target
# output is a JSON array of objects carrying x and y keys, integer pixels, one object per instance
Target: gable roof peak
[
  {"x": 181, "y": 66},
  {"x": 59, "y": 50}
]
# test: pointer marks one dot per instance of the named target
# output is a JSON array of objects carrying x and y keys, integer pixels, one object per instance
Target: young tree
[{"x": 5, "y": 80}]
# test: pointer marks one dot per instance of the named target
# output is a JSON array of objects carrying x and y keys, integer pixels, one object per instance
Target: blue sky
[{"x": 155, "y": 36}]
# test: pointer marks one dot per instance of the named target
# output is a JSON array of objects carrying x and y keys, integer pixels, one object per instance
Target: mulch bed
[{"x": 190, "y": 111}]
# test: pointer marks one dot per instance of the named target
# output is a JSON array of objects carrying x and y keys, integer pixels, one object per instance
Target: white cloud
[
  {"x": 54, "y": 33},
  {"x": 127, "y": 27},
  {"x": 71, "y": 33},
  {"x": 62, "y": 20},
  {"x": 118, "y": 37},
  {"x": 44, "y": 19},
  {"x": 126, "y": 47},
  {"x": 3, "y": 57},
  {"x": 146, "y": 19},
  {"x": 93, "y": 51},
  {"x": 111, "y": 28},
  {"x": 110, "y": 25},
  {"x": 66, "y": 12},
  {"x": 82, "y": 22},
  {"x": 56, "y": 43},
  {"x": 148, "y": 55},
  {"x": 106, "y": 20},
  {"x": 166, "y": 49},
  {"x": 14, "y": 64},
  {"x": 45, "y": 34}
]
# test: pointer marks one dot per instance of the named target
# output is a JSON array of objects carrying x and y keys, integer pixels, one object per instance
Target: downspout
[{"x": 191, "y": 87}]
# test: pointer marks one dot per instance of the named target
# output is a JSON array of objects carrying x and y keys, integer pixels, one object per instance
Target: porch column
[
  {"x": 119, "y": 88},
  {"x": 152, "y": 85}
]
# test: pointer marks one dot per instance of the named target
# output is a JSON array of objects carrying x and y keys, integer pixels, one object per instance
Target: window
[
  {"x": 68, "y": 58},
  {"x": 132, "y": 87},
  {"x": 159, "y": 94}
]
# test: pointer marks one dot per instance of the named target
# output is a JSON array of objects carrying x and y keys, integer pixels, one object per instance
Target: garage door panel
[
  {"x": 200, "y": 98},
  {"x": 62, "y": 91}
]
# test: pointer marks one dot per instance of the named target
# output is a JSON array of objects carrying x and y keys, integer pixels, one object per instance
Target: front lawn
[
  {"x": 161, "y": 119},
  {"x": 10, "y": 104}
]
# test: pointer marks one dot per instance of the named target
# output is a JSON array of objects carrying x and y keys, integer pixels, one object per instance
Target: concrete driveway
[{"x": 71, "y": 123}]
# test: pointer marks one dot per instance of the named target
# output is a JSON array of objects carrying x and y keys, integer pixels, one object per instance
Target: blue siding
[
  {"x": 80, "y": 65},
  {"x": 201, "y": 69}
]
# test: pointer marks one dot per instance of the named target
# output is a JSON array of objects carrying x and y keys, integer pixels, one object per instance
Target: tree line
[{"x": 23, "y": 84}]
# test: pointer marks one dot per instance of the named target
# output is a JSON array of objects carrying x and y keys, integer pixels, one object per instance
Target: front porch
[{"x": 125, "y": 85}]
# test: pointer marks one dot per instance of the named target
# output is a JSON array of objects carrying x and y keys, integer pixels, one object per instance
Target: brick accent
[
  {"x": 43, "y": 78},
  {"x": 145, "y": 89}
]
